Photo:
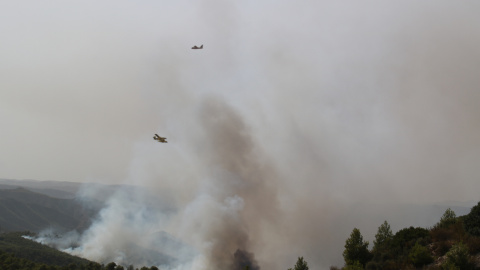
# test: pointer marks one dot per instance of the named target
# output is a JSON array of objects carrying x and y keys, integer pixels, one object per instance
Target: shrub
[
  {"x": 473, "y": 244},
  {"x": 448, "y": 218},
  {"x": 406, "y": 238},
  {"x": 420, "y": 255},
  {"x": 458, "y": 256},
  {"x": 356, "y": 265},
  {"x": 441, "y": 234},
  {"x": 372, "y": 265},
  {"x": 442, "y": 247},
  {"x": 450, "y": 266},
  {"x": 472, "y": 221}
]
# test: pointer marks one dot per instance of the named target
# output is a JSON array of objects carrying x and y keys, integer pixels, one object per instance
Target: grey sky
[{"x": 372, "y": 101}]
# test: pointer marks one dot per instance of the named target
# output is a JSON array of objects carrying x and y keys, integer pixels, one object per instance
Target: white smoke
[
  {"x": 296, "y": 122},
  {"x": 207, "y": 229}
]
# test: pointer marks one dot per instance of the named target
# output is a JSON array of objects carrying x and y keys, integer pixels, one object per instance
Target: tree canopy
[
  {"x": 472, "y": 221},
  {"x": 300, "y": 265},
  {"x": 383, "y": 237},
  {"x": 448, "y": 218},
  {"x": 356, "y": 250}
]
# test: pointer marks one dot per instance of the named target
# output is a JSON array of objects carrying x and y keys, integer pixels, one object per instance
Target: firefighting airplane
[
  {"x": 196, "y": 48},
  {"x": 160, "y": 139}
]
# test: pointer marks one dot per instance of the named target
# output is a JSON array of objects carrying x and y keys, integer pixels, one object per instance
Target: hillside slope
[
  {"x": 20, "y": 247},
  {"x": 25, "y": 210}
]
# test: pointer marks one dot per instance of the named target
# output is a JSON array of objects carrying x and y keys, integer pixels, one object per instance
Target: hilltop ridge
[{"x": 24, "y": 210}]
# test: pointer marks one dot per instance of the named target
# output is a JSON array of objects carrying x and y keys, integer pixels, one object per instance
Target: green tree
[
  {"x": 420, "y": 255},
  {"x": 406, "y": 238},
  {"x": 356, "y": 249},
  {"x": 355, "y": 266},
  {"x": 472, "y": 221},
  {"x": 94, "y": 266},
  {"x": 300, "y": 265},
  {"x": 450, "y": 266},
  {"x": 458, "y": 256},
  {"x": 111, "y": 266},
  {"x": 448, "y": 218},
  {"x": 383, "y": 237}
]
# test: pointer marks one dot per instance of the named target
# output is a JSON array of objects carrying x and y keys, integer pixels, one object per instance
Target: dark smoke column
[
  {"x": 243, "y": 259},
  {"x": 242, "y": 183}
]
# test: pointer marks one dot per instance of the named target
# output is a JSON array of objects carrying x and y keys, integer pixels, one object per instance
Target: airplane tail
[{"x": 201, "y": 47}]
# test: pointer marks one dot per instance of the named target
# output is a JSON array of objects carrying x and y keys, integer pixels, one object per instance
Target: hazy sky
[{"x": 372, "y": 101}]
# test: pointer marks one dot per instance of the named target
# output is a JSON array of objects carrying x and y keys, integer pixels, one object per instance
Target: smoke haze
[{"x": 297, "y": 122}]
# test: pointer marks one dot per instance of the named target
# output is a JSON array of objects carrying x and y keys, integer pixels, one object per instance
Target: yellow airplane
[
  {"x": 196, "y": 48},
  {"x": 160, "y": 139}
]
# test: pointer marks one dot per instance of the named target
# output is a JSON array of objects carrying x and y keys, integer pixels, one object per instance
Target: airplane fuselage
[{"x": 160, "y": 139}]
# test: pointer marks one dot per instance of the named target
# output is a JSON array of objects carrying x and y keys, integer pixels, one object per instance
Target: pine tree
[
  {"x": 383, "y": 236},
  {"x": 300, "y": 265},
  {"x": 448, "y": 218},
  {"x": 356, "y": 250},
  {"x": 472, "y": 221}
]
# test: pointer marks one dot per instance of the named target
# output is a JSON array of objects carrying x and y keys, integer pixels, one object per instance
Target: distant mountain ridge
[
  {"x": 38, "y": 205},
  {"x": 55, "y": 209},
  {"x": 24, "y": 210},
  {"x": 56, "y": 189}
]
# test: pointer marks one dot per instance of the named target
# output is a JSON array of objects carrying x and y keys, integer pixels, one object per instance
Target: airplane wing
[{"x": 160, "y": 139}]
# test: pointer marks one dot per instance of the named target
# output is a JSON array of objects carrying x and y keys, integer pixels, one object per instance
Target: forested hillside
[
  {"x": 20, "y": 253},
  {"x": 24, "y": 210},
  {"x": 452, "y": 243}
]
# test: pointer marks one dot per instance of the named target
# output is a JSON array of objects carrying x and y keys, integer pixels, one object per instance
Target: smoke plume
[
  {"x": 235, "y": 197},
  {"x": 297, "y": 121},
  {"x": 216, "y": 229},
  {"x": 243, "y": 259}
]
